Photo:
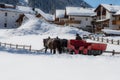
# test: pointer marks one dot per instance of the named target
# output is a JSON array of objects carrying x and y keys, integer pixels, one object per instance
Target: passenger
[{"x": 78, "y": 37}]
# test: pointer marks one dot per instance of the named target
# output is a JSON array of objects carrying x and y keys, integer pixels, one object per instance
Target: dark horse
[
  {"x": 53, "y": 44},
  {"x": 64, "y": 43}
]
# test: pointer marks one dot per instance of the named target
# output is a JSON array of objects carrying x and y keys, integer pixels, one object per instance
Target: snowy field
[{"x": 21, "y": 65}]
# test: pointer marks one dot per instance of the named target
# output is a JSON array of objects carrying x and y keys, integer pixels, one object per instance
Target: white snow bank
[{"x": 109, "y": 31}]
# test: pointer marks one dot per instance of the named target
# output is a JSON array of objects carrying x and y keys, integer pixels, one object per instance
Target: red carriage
[{"x": 86, "y": 48}]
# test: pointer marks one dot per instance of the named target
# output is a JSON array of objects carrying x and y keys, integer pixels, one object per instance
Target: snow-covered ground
[{"x": 23, "y": 65}]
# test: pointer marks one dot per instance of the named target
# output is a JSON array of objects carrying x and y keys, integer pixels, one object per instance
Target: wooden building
[{"x": 106, "y": 18}]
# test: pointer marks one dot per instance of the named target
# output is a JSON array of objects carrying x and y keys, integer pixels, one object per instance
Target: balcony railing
[
  {"x": 116, "y": 22},
  {"x": 73, "y": 21},
  {"x": 100, "y": 18}
]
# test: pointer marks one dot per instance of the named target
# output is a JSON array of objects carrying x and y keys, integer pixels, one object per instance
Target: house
[
  {"x": 60, "y": 17},
  {"x": 11, "y": 16},
  {"x": 75, "y": 16},
  {"x": 116, "y": 20},
  {"x": 80, "y": 17},
  {"x": 107, "y": 17}
]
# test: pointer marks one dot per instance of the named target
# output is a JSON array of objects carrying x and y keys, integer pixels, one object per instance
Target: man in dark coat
[{"x": 78, "y": 37}]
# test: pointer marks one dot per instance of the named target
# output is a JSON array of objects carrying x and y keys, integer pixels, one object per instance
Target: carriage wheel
[
  {"x": 96, "y": 52},
  {"x": 80, "y": 52},
  {"x": 90, "y": 52},
  {"x": 71, "y": 51}
]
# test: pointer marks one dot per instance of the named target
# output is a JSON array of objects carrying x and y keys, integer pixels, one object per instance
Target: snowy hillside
[{"x": 23, "y": 65}]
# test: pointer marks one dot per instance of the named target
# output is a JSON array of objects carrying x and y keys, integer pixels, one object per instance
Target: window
[
  {"x": 6, "y": 14},
  {"x": 86, "y": 19},
  {"x": 5, "y": 25},
  {"x": 119, "y": 18}
]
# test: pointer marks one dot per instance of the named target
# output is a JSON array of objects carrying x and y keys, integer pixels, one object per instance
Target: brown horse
[{"x": 53, "y": 44}]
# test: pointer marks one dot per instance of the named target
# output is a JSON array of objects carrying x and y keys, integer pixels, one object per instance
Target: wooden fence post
[
  {"x": 107, "y": 40},
  {"x": 30, "y": 48},
  {"x": 97, "y": 38},
  {"x": 112, "y": 41},
  {"x": 16, "y": 46},
  {"x": 113, "y": 53},
  {"x": 102, "y": 39},
  {"x": 118, "y": 42},
  {"x": 5, "y": 44},
  {"x": 23, "y": 46},
  {"x": 10, "y": 45}
]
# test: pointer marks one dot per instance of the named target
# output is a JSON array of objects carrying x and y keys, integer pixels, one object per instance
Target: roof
[
  {"x": 111, "y": 7},
  {"x": 6, "y": 5},
  {"x": 117, "y": 13},
  {"x": 25, "y": 9},
  {"x": 60, "y": 13},
  {"x": 80, "y": 11},
  {"x": 11, "y": 10},
  {"x": 48, "y": 17}
]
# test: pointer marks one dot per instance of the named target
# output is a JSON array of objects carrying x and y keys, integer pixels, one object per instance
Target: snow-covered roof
[
  {"x": 80, "y": 11},
  {"x": 7, "y": 5},
  {"x": 25, "y": 9},
  {"x": 48, "y": 17},
  {"x": 30, "y": 16},
  {"x": 60, "y": 13},
  {"x": 111, "y": 7},
  {"x": 117, "y": 13},
  {"x": 11, "y": 10}
]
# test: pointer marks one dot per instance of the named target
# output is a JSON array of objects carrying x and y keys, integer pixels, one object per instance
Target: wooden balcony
[
  {"x": 73, "y": 22},
  {"x": 116, "y": 22}
]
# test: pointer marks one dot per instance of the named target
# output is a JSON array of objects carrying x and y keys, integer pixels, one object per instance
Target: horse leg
[
  {"x": 46, "y": 49},
  {"x": 54, "y": 51},
  {"x": 50, "y": 50}
]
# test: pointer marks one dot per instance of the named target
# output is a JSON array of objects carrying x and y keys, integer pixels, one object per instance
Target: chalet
[
  {"x": 11, "y": 16},
  {"x": 108, "y": 17},
  {"x": 75, "y": 16},
  {"x": 80, "y": 17}
]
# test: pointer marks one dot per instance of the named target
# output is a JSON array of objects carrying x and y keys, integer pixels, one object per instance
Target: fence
[
  {"x": 16, "y": 46},
  {"x": 110, "y": 41}
]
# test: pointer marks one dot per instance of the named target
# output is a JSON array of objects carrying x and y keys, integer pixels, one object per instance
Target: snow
[
  {"x": 25, "y": 65},
  {"x": 109, "y": 31},
  {"x": 48, "y": 17},
  {"x": 102, "y": 20},
  {"x": 25, "y": 9},
  {"x": 111, "y": 8},
  {"x": 80, "y": 11},
  {"x": 60, "y": 13},
  {"x": 117, "y": 13},
  {"x": 11, "y": 10}
]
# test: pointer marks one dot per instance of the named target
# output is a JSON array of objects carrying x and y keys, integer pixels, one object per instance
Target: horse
[
  {"x": 64, "y": 43},
  {"x": 53, "y": 44}
]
